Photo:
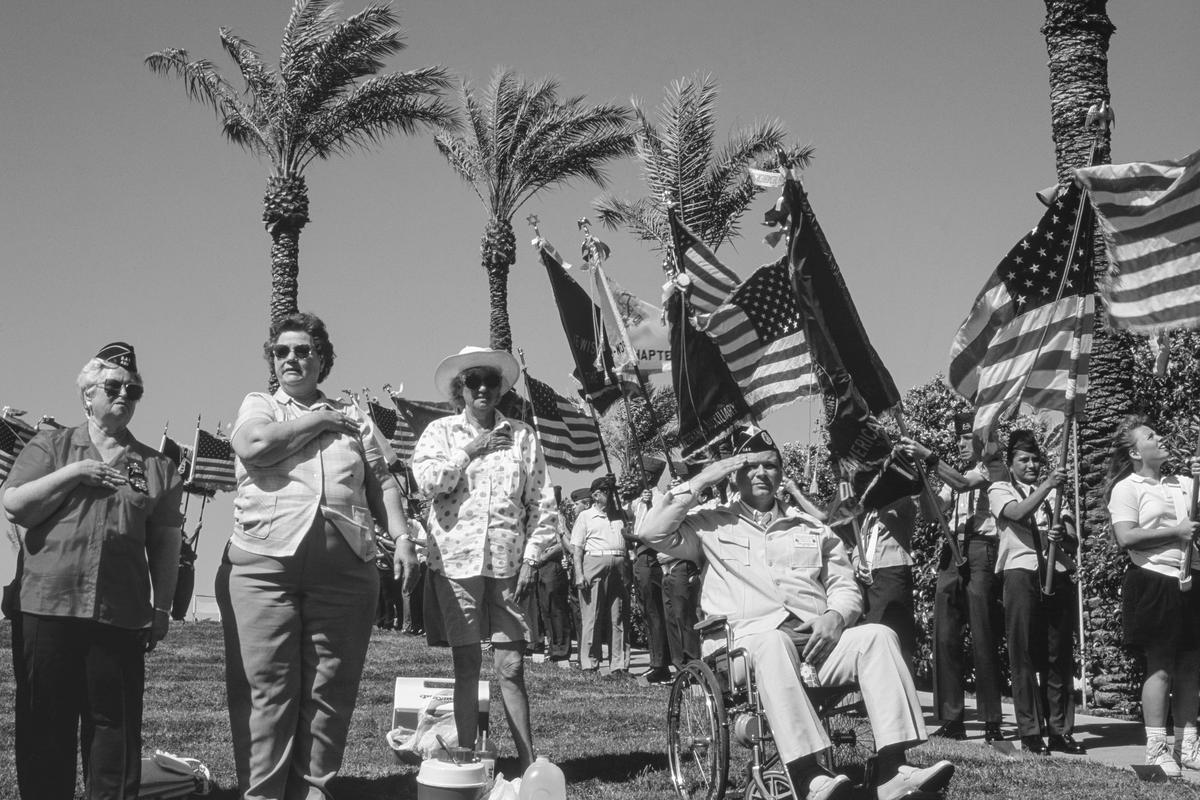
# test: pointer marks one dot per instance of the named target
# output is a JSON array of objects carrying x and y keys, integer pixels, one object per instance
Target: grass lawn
[{"x": 608, "y": 736}]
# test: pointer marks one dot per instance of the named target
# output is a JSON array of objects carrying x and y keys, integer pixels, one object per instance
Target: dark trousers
[
  {"x": 555, "y": 613},
  {"x": 1040, "y": 633},
  {"x": 648, "y": 575},
  {"x": 681, "y": 600},
  {"x": 970, "y": 593},
  {"x": 79, "y": 667},
  {"x": 888, "y": 600},
  {"x": 412, "y": 618}
]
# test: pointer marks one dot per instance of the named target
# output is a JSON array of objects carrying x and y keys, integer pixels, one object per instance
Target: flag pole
[{"x": 1083, "y": 668}]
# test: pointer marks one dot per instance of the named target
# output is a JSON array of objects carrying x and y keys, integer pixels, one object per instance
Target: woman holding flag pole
[{"x": 1153, "y": 520}]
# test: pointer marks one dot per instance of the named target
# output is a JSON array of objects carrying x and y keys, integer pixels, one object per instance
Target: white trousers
[{"x": 867, "y": 654}]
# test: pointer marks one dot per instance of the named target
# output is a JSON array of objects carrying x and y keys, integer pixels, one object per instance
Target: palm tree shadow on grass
[{"x": 607, "y": 769}]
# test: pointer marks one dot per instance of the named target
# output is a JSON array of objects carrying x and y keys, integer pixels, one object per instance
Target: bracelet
[{"x": 532, "y": 562}]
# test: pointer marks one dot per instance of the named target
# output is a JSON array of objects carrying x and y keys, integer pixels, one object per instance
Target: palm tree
[
  {"x": 710, "y": 189},
  {"x": 315, "y": 105},
  {"x": 520, "y": 139},
  {"x": 1077, "y": 33}
]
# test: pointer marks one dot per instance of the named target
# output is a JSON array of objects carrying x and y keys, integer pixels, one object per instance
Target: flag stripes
[
  {"x": 1149, "y": 214},
  {"x": 395, "y": 429},
  {"x": 569, "y": 439},
  {"x": 711, "y": 280},
  {"x": 13, "y": 438},
  {"x": 212, "y": 463},
  {"x": 761, "y": 336},
  {"x": 1028, "y": 336}
]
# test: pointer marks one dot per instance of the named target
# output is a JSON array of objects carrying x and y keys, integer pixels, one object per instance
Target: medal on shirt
[{"x": 135, "y": 473}]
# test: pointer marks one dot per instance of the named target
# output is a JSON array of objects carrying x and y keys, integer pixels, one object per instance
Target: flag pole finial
[{"x": 532, "y": 219}]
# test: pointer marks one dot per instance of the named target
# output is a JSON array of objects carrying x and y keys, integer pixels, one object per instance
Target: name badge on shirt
[{"x": 806, "y": 540}]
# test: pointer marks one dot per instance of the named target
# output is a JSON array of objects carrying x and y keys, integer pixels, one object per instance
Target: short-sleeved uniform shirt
[
  {"x": 594, "y": 531},
  {"x": 969, "y": 510},
  {"x": 1016, "y": 549},
  {"x": 87, "y": 560}
]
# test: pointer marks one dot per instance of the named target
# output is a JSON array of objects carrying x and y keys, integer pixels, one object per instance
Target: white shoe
[
  {"x": 1189, "y": 754},
  {"x": 829, "y": 787},
  {"x": 912, "y": 779},
  {"x": 1159, "y": 754}
]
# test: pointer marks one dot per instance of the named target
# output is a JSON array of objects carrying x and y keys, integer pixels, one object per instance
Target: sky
[{"x": 124, "y": 215}]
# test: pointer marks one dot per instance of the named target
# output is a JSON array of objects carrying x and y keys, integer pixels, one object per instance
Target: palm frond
[
  {"x": 261, "y": 84},
  {"x": 641, "y": 217},
  {"x": 462, "y": 157},
  {"x": 205, "y": 85},
  {"x": 309, "y": 23},
  {"x": 352, "y": 49},
  {"x": 401, "y": 102}
]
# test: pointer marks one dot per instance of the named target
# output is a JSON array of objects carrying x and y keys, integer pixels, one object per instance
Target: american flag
[
  {"x": 761, "y": 335},
  {"x": 212, "y": 466},
  {"x": 14, "y": 435},
  {"x": 395, "y": 429},
  {"x": 414, "y": 418},
  {"x": 712, "y": 281},
  {"x": 1020, "y": 344},
  {"x": 569, "y": 439},
  {"x": 1150, "y": 216}
]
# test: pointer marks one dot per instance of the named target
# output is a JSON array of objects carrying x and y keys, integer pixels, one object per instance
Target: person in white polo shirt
[{"x": 603, "y": 578}]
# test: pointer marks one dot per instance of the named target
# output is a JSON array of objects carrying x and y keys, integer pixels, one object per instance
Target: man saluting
[{"x": 785, "y": 585}]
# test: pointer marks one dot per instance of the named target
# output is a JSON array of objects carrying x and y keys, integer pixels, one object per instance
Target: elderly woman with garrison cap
[
  {"x": 99, "y": 555},
  {"x": 489, "y": 519},
  {"x": 297, "y": 586}
]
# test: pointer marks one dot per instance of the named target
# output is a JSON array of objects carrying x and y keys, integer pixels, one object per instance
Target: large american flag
[
  {"x": 1149, "y": 214},
  {"x": 212, "y": 463},
  {"x": 569, "y": 439},
  {"x": 1020, "y": 344},
  {"x": 14, "y": 436},
  {"x": 711, "y": 281},
  {"x": 395, "y": 429},
  {"x": 761, "y": 335}
]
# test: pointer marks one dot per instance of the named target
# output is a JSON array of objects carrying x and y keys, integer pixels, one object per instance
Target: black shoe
[
  {"x": 956, "y": 731},
  {"x": 656, "y": 676},
  {"x": 992, "y": 732},
  {"x": 1064, "y": 743},
  {"x": 1034, "y": 745}
]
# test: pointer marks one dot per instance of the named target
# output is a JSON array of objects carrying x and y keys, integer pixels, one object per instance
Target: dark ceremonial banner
[
  {"x": 860, "y": 446},
  {"x": 709, "y": 400},
  {"x": 811, "y": 257},
  {"x": 581, "y": 320}
]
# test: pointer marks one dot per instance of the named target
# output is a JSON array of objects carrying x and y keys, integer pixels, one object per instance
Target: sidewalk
[{"x": 1114, "y": 742}]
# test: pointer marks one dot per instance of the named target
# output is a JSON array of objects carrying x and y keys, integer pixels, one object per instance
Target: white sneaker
[
  {"x": 1187, "y": 753},
  {"x": 1159, "y": 754},
  {"x": 829, "y": 787},
  {"x": 911, "y": 779}
]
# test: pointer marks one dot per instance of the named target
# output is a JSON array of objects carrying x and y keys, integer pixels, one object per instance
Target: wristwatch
[{"x": 531, "y": 562}]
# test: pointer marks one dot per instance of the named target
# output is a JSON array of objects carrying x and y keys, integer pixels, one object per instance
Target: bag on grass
[
  {"x": 434, "y": 720},
  {"x": 166, "y": 775}
]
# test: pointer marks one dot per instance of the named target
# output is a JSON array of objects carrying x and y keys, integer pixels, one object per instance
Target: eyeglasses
[
  {"x": 488, "y": 380},
  {"x": 283, "y": 352},
  {"x": 133, "y": 391}
]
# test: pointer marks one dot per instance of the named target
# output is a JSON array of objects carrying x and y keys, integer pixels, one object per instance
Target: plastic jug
[{"x": 543, "y": 781}]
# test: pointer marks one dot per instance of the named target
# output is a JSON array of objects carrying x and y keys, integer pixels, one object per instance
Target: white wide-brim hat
[{"x": 499, "y": 360}]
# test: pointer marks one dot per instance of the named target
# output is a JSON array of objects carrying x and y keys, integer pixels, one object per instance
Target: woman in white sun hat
[{"x": 490, "y": 516}]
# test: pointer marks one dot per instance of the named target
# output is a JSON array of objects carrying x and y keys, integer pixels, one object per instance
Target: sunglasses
[
  {"x": 488, "y": 380},
  {"x": 133, "y": 391},
  {"x": 282, "y": 351}
]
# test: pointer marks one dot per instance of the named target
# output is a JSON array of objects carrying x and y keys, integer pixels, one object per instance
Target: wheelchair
[{"x": 709, "y": 711}]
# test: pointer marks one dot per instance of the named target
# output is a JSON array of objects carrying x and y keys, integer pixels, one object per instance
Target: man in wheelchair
[{"x": 785, "y": 584}]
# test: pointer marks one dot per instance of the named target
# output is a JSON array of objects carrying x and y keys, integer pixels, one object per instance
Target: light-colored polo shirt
[
  {"x": 1151, "y": 504},
  {"x": 595, "y": 532}
]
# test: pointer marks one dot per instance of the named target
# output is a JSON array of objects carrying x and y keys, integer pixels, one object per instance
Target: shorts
[
  {"x": 1154, "y": 611},
  {"x": 477, "y": 608}
]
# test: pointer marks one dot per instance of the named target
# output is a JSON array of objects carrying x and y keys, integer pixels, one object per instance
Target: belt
[{"x": 604, "y": 552}]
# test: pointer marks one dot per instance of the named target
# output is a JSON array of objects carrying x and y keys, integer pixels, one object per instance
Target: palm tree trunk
[
  {"x": 285, "y": 213},
  {"x": 1077, "y": 34},
  {"x": 499, "y": 254}
]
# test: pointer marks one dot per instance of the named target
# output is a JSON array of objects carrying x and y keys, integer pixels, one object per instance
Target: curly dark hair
[{"x": 304, "y": 322}]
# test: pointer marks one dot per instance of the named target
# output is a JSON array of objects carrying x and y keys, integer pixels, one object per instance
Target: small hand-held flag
[
  {"x": 569, "y": 439},
  {"x": 212, "y": 463},
  {"x": 14, "y": 435}
]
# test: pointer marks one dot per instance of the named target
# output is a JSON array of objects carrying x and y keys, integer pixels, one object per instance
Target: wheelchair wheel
[
  {"x": 775, "y": 780},
  {"x": 697, "y": 735},
  {"x": 849, "y": 730}
]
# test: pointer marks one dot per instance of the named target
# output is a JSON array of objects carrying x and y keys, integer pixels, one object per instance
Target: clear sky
[{"x": 125, "y": 215}]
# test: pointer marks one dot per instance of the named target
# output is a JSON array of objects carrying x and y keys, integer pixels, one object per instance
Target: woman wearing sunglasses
[
  {"x": 99, "y": 562},
  {"x": 297, "y": 585},
  {"x": 489, "y": 520}
]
